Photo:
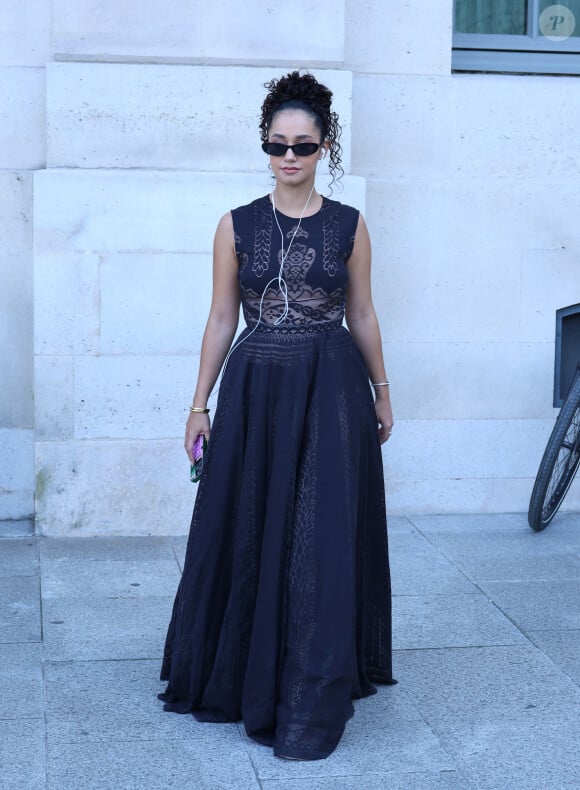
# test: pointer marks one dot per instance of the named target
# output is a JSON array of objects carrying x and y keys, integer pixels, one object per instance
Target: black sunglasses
[{"x": 298, "y": 149}]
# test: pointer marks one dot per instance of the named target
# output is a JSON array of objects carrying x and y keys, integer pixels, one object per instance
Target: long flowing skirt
[{"x": 283, "y": 612}]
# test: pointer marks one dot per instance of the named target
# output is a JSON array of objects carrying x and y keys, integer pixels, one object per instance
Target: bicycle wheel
[{"x": 559, "y": 462}]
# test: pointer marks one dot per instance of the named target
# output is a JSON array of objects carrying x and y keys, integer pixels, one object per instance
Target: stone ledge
[{"x": 169, "y": 116}]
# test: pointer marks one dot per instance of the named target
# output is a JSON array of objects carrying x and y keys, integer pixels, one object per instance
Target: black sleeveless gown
[{"x": 283, "y": 612}]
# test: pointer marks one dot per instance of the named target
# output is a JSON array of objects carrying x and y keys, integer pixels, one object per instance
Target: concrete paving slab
[
  {"x": 179, "y": 546},
  {"x": 538, "y": 605},
  {"x": 506, "y": 712},
  {"x": 109, "y": 578},
  {"x": 22, "y": 754},
  {"x": 477, "y": 682},
  {"x": 417, "y": 568},
  {"x": 107, "y": 548},
  {"x": 442, "y": 780},
  {"x": 520, "y": 753},
  {"x": 466, "y": 523},
  {"x": 105, "y": 628},
  {"x": 563, "y": 647},
  {"x": 218, "y": 762},
  {"x": 503, "y": 714},
  {"x": 95, "y": 700},
  {"x": 20, "y": 609},
  {"x": 397, "y": 524},
  {"x": 450, "y": 621},
  {"x": 385, "y": 734},
  {"x": 492, "y": 554},
  {"x": 16, "y": 528},
  {"x": 21, "y": 682},
  {"x": 19, "y": 557}
]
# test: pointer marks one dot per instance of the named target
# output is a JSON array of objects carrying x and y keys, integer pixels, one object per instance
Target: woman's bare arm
[
  {"x": 220, "y": 327},
  {"x": 362, "y": 322}
]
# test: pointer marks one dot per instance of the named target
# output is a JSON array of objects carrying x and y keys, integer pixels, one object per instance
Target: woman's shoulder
[
  {"x": 341, "y": 208},
  {"x": 348, "y": 216},
  {"x": 250, "y": 208}
]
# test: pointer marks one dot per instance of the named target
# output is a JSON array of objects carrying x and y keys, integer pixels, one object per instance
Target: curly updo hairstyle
[{"x": 297, "y": 91}]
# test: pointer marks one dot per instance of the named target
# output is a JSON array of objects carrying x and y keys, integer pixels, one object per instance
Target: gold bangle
[{"x": 198, "y": 410}]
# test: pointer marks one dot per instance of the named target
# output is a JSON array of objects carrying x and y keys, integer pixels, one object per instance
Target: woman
[{"x": 282, "y": 615}]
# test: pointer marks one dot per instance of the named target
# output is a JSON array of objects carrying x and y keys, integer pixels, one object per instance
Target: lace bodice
[{"x": 315, "y": 269}]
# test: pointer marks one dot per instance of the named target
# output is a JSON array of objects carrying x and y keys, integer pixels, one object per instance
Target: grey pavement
[{"x": 487, "y": 654}]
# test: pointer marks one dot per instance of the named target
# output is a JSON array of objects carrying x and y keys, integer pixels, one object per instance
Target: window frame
[{"x": 520, "y": 54}]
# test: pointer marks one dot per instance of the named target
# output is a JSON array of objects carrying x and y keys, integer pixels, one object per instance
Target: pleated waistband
[{"x": 283, "y": 345}]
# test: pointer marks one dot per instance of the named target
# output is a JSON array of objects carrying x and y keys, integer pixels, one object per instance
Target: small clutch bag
[{"x": 199, "y": 448}]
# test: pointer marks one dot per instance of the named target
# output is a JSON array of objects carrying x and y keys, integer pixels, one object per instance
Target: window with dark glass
[{"x": 525, "y": 36}]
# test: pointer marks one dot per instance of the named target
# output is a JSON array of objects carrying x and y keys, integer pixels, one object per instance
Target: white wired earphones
[{"x": 282, "y": 285}]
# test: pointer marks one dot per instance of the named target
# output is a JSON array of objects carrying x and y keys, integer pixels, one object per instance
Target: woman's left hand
[{"x": 384, "y": 417}]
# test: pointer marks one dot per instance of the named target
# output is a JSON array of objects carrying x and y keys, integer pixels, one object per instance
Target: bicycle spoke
[
  {"x": 565, "y": 465},
  {"x": 559, "y": 463}
]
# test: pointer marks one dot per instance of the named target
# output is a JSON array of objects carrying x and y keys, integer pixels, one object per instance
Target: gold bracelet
[{"x": 198, "y": 410}]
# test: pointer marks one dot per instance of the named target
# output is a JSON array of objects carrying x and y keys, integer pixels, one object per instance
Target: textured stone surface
[
  {"x": 384, "y": 724},
  {"x": 99, "y": 377},
  {"x": 500, "y": 710},
  {"x": 476, "y": 206},
  {"x": 19, "y": 557},
  {"x": 478, "y": 126},
  {"x": 16, "y": 342},
  {"x": 22, "y": 754},
  {"x": 483, "y": 682},
  {"x": 91, "y": 701},
  {"x": 417, "y": 568},
  {"x": 460, "y": 718},
  {"x": 21, "y": 682},
  {"x": 16, "y": 528},
  {"x": 66, "y": 312},
  {"x": 457, "y": 381},
  {"x": 166, "y": 314},
  {"x": 399, "y": 38},
  {"x": 409, "y": 102},
  {"x": 196, "y": 30},
  {"x": 462, "y": 449},
  {"x": 372, "y": 780},
  {"x": 563, "y": 647},
  {"x": 109, "y": 579},
  {"x": 146, "y": 211},
  {"x": 128, "y": 549},
  {"x": 457, "y": 303},
  {"x": 546, "y": 279},
  {"x": 25, "y": 32},
  {"x": 22, "y": 95},
  {"x": 16, "y": 212},
  {"x": 450, "y": 621},
  {"x": 139, "y": 115},
  {"x": 53, "y": 394},
  {"x": 194, "y": 765},
  {"x": 20, "y": 609},
  {"x": 132, "y": 396},
  {"x": 484, "y": 552},
  {"x": 539, "y": 604},
  {"x": 118, "y": 488},
  {"x": 16, "y": 473},
  {"x": 90, "y": 629}
]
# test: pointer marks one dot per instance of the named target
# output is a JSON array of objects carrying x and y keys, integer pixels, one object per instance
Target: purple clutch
[{"x": 199, "y": 448}]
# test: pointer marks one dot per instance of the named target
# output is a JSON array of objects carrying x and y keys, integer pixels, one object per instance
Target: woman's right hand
[{"x": 197, "y": 423}]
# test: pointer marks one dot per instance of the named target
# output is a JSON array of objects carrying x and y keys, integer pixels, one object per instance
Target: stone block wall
[
  {"x": 124, "y": 218},
  {"x": 128, "y": 129},
  {"x": 24, "y": 51}
]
